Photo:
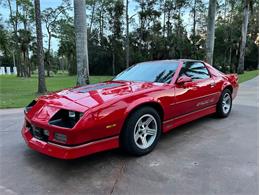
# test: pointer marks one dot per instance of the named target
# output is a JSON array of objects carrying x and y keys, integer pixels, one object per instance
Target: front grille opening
[
  {"x": 65, "y": 118},
  {"x": 29, "y": 106}
]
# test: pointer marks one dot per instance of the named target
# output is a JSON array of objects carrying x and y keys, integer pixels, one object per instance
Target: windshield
[{"x": 160, "y": 72}]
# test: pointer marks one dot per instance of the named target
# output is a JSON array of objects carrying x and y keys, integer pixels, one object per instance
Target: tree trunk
[
  {"x": 194, "y": 49},
  {"x": 230, "y": 33},
  {"x": 194, "y": 18},
  {"x": 127, "y": 34},
  {"x": 92, "y": 15},
  {"x": 26, "y": 60},
  {"x": 164, "y": 19},
  {"x": 168, "y": 23},
  {"x": 113, "y": 64},
  {"x": 40, "y": 57},
  {"x": 15, "y": 24},
  {"x": 101, "y": 22},
  {"x": 81, "y": 42},
  {"x": 48, "y": 55},
  {"x": 240, "y": 68},
  {"x": 211, "y": 31},
  {"x": 14, "y": 59}
]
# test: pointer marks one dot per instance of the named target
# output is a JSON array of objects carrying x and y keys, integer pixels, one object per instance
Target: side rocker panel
[{"x": 172, "y": 123}]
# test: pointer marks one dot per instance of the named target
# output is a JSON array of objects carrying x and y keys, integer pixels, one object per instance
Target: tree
[
  {"x": 81, "y": 42},
  {"x": 14, "y": 22},
  {"x": 127, "y": 34},
  {"x": 25, "y": 38},
  {"x": 67, "y": 46},
  {"x": 92, "y": 4},
  {"x": 198, "y": 16},
  {"x": 159, "y": 30},
  {"x": 115, "y": 11},
  {"x": 149, "y": 23},
  {"x": 21, "y": 16},
  {"x": 40, "y": 57},
  {"x": 246, "y": 8},
  {"x": 4, "y": 41},
  {"x": 211, "y": 31},
  {"x": 50, "y": 18},
  {"x": 180, "y": 30}
]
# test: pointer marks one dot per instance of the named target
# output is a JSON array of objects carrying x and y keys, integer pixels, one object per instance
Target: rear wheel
[
  {"x": 141, "y": 131},
  {"x": 224, "y": 104}
]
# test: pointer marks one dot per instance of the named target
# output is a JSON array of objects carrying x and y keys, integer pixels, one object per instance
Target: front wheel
[
  {"x": 224, "y": 104},
  {"x": 141, "y": 131}
]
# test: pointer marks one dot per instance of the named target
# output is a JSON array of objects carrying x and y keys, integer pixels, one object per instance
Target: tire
[
  {"x": 136, "y": 131},
  {"x": 224, "y": 109}
]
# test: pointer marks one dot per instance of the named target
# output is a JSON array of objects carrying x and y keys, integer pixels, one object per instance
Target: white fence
[{"x": 7, "y": 70}]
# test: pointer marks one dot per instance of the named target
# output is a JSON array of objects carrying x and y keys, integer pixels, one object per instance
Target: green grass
[
  {"x": 18, "y": 92},
  {"x": 247, "y": 75}
]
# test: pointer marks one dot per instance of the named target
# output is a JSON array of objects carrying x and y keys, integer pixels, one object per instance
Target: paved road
[{"x": 208, "y": 156}]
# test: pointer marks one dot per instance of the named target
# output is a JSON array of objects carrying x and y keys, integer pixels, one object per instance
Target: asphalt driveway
[{"x": 208, "y": 156}]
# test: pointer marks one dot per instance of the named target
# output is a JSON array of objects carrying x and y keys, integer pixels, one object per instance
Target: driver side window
[{"x": 195, "y": 70}]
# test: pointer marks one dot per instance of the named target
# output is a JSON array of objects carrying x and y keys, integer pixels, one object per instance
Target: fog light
[
  {"x": 60, "y": 137},
  {"x": 46, "y": 132}
]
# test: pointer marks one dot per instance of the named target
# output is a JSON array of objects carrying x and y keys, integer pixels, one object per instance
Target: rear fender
[{"x": 233, "y": 79}]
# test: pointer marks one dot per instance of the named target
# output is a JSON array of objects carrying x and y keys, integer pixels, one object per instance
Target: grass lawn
[
  {"x": 247, "y": 75},
  {"x": 18, "y": 92}
]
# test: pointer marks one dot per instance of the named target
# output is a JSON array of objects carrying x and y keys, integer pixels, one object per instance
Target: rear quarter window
[{"x": 195, "y": 70}]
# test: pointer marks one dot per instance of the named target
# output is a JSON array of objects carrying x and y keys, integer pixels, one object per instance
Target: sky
[
  {"x": 133, "y": 7},
  {"x": 44, "y": 4}
]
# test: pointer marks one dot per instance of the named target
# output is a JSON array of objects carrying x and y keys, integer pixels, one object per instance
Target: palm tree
[
  {"x": 81, "y": 42},
  {"x": 247, "y": 5},
  {"x": 24, "y": 40},
  {"x": 211, "y": 31},
  {"x": 40, "y": 55}
]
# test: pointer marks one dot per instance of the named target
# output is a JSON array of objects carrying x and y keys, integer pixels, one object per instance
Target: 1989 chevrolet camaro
[{"x": 130, "y": 111}]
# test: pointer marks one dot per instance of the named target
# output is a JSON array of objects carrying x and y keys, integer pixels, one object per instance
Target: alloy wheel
[{"x": 145, "y": 131}]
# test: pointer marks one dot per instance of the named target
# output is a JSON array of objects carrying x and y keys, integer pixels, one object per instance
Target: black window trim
[{"x": 198, "y": 61}]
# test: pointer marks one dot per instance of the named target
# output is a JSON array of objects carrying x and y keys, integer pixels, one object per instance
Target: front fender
[{"x": 142, "y": 101}]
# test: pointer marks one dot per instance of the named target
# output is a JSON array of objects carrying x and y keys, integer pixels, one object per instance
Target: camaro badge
[{"x": 205, "y": 102}]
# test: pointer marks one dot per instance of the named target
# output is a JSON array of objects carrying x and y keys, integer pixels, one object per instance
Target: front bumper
[{"x": 69, "y": 152}]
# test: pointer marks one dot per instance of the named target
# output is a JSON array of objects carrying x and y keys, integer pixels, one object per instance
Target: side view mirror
[{"x": 183, "y": 79}]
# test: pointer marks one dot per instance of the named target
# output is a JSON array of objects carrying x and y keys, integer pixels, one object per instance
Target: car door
[{"x": 198, "y": 94}]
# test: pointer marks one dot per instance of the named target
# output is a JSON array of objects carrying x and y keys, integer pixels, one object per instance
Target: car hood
[{"x": 93, "y": 95}]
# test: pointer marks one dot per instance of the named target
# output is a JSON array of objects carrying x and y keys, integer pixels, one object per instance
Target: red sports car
[{"x": 130, "y": 111}]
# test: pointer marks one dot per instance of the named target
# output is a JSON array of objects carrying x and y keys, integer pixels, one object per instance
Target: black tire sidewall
[
  {"x": 220, "y": 111},
  {"x": 127, "y": 136}
]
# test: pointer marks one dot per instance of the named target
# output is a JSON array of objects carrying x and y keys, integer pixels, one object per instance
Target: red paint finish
[
  {"x": 106, "y": 109},
  {"x": 65, "y": 152}
]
